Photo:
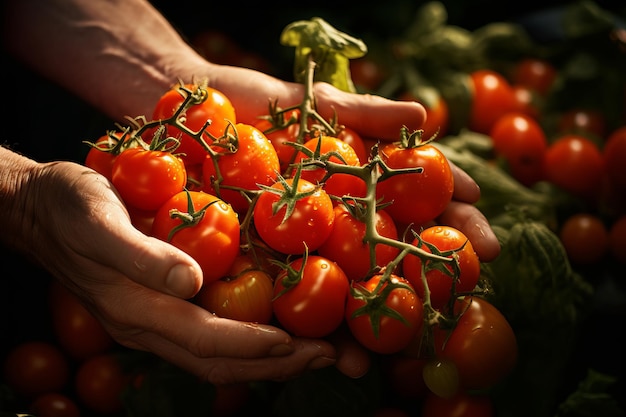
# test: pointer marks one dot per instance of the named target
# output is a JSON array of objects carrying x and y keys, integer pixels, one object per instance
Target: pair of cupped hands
[{"x": 139, "y": 286}]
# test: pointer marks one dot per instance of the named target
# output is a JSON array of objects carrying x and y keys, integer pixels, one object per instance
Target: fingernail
[
  {"x": 181, "y": 281},
  {"x": 321, "y": 362},
  {"x": 281, "y": 350}
]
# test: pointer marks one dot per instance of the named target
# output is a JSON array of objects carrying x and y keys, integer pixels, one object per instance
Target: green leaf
[{"x": 329, "y": 48}]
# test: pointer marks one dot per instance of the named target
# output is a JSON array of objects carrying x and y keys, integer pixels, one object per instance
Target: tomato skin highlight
[
  {"x": 255, "y": 162},
  {"x": 310, "y": 223},
  {"x": 145, "y": 179},
  {"x": 394, "y": 335},
  {"x": 213, "y": 242},
  {"x": 445, "y": 238},
  {"x": 417, "y": 197},
  {"x": 315, "y": 306},
  {"x": 483, "y": 345},
  {"x": 346, "y": 247}
]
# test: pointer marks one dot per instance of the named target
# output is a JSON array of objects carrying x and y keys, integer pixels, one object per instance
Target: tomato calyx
[
  {"x": 189, "y": 218},
  {"x": 375, "y": 301},
  {"x": 289, "y": 195},
  {"x": 292, "y": 277}
]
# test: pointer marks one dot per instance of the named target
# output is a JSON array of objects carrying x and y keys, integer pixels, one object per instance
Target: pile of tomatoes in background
[{"x": 534, "y": 130}]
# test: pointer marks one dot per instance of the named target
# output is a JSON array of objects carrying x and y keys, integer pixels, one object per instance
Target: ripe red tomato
[
  {"x": 36, "y": 367},
  {"x": 246, "y": 296},
  {"x": 463, "y": 404},
  {"x": 483, "y": 345},
  {"x": 281, "y": 138},
  {"x": 99, "y": 158},
  {"x": 309, "y": 223},
  {"x": 212, "y": 239},
  {"x": 77, "y": 331},
  {"x": 534, "y": 73},
  {"x": 584, "y": 122},
  {"x": 585, "y": 238},
  {"x": 145, "y": 179},
  {"x": 338, "y": 184},
  {"x": 492, "y": 98},
  {"x": 346, "y": 247},
  {"x": 254, "y": 162},
  {"x": 521, "y": 141},
  {"x": 384, "y": 316},
  {"x": 614, "y": 154},
  {"x": 575, "y": 164},
  {"x": 211, "y": 105},
  {"x": 100, "y": 382},
  {"x": 54, "y": 404},
  {"x": 445, "y": 239},
  {"x": 309, "y": 296},
  {"x": 416, "y": 197}
]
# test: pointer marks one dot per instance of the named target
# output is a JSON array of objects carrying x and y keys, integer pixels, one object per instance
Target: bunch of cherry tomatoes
[{"x": 296, "y": 223}]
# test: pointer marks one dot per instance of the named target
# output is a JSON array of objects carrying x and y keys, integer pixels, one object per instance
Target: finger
[
  {"x": 465, "y": 188},
  {"x": 371, "y": 116},
  {"x": 145, "y": 260},
  {"x": 307, "y": 355},
  {"x": 475, "y": 226},
  {"x": 186, "y": 325},
  {"x": 353, "y": 360}
]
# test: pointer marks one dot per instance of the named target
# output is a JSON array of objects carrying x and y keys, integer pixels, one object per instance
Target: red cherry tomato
[
  {"x": 36, "y": 367},
  {"x": 254, "y": 162},
  {"x": 346, "y": 247},
  {"x": 100, "y": 382},
  {"x": 211, "y": 105},
  {"x": 416, "y": 197},
  {"x": 310, "y": 296},
  {"x": 77, "y": 331},
  {"x": 483, "y": 345},
  {"x": 575, "y": 164},
  {"x": 145, "y": 179},
  {"x": 445, "y": 239},
  {"x": 246, "y": 296},
  {"x": 534, "y": 73},
  {"x": 54, "y": 404},
  {"x": 310, "y": 222},
  {"x": 212, "y": 239},
  {"x": 384, "y": 316},
  {"x": 492, "y": 98},
  {"x": 521, "y": 141},
  {"x": 337, "y": 184}
]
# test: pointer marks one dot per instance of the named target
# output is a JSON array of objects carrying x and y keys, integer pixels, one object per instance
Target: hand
[{"x": 137, "y": 285}]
